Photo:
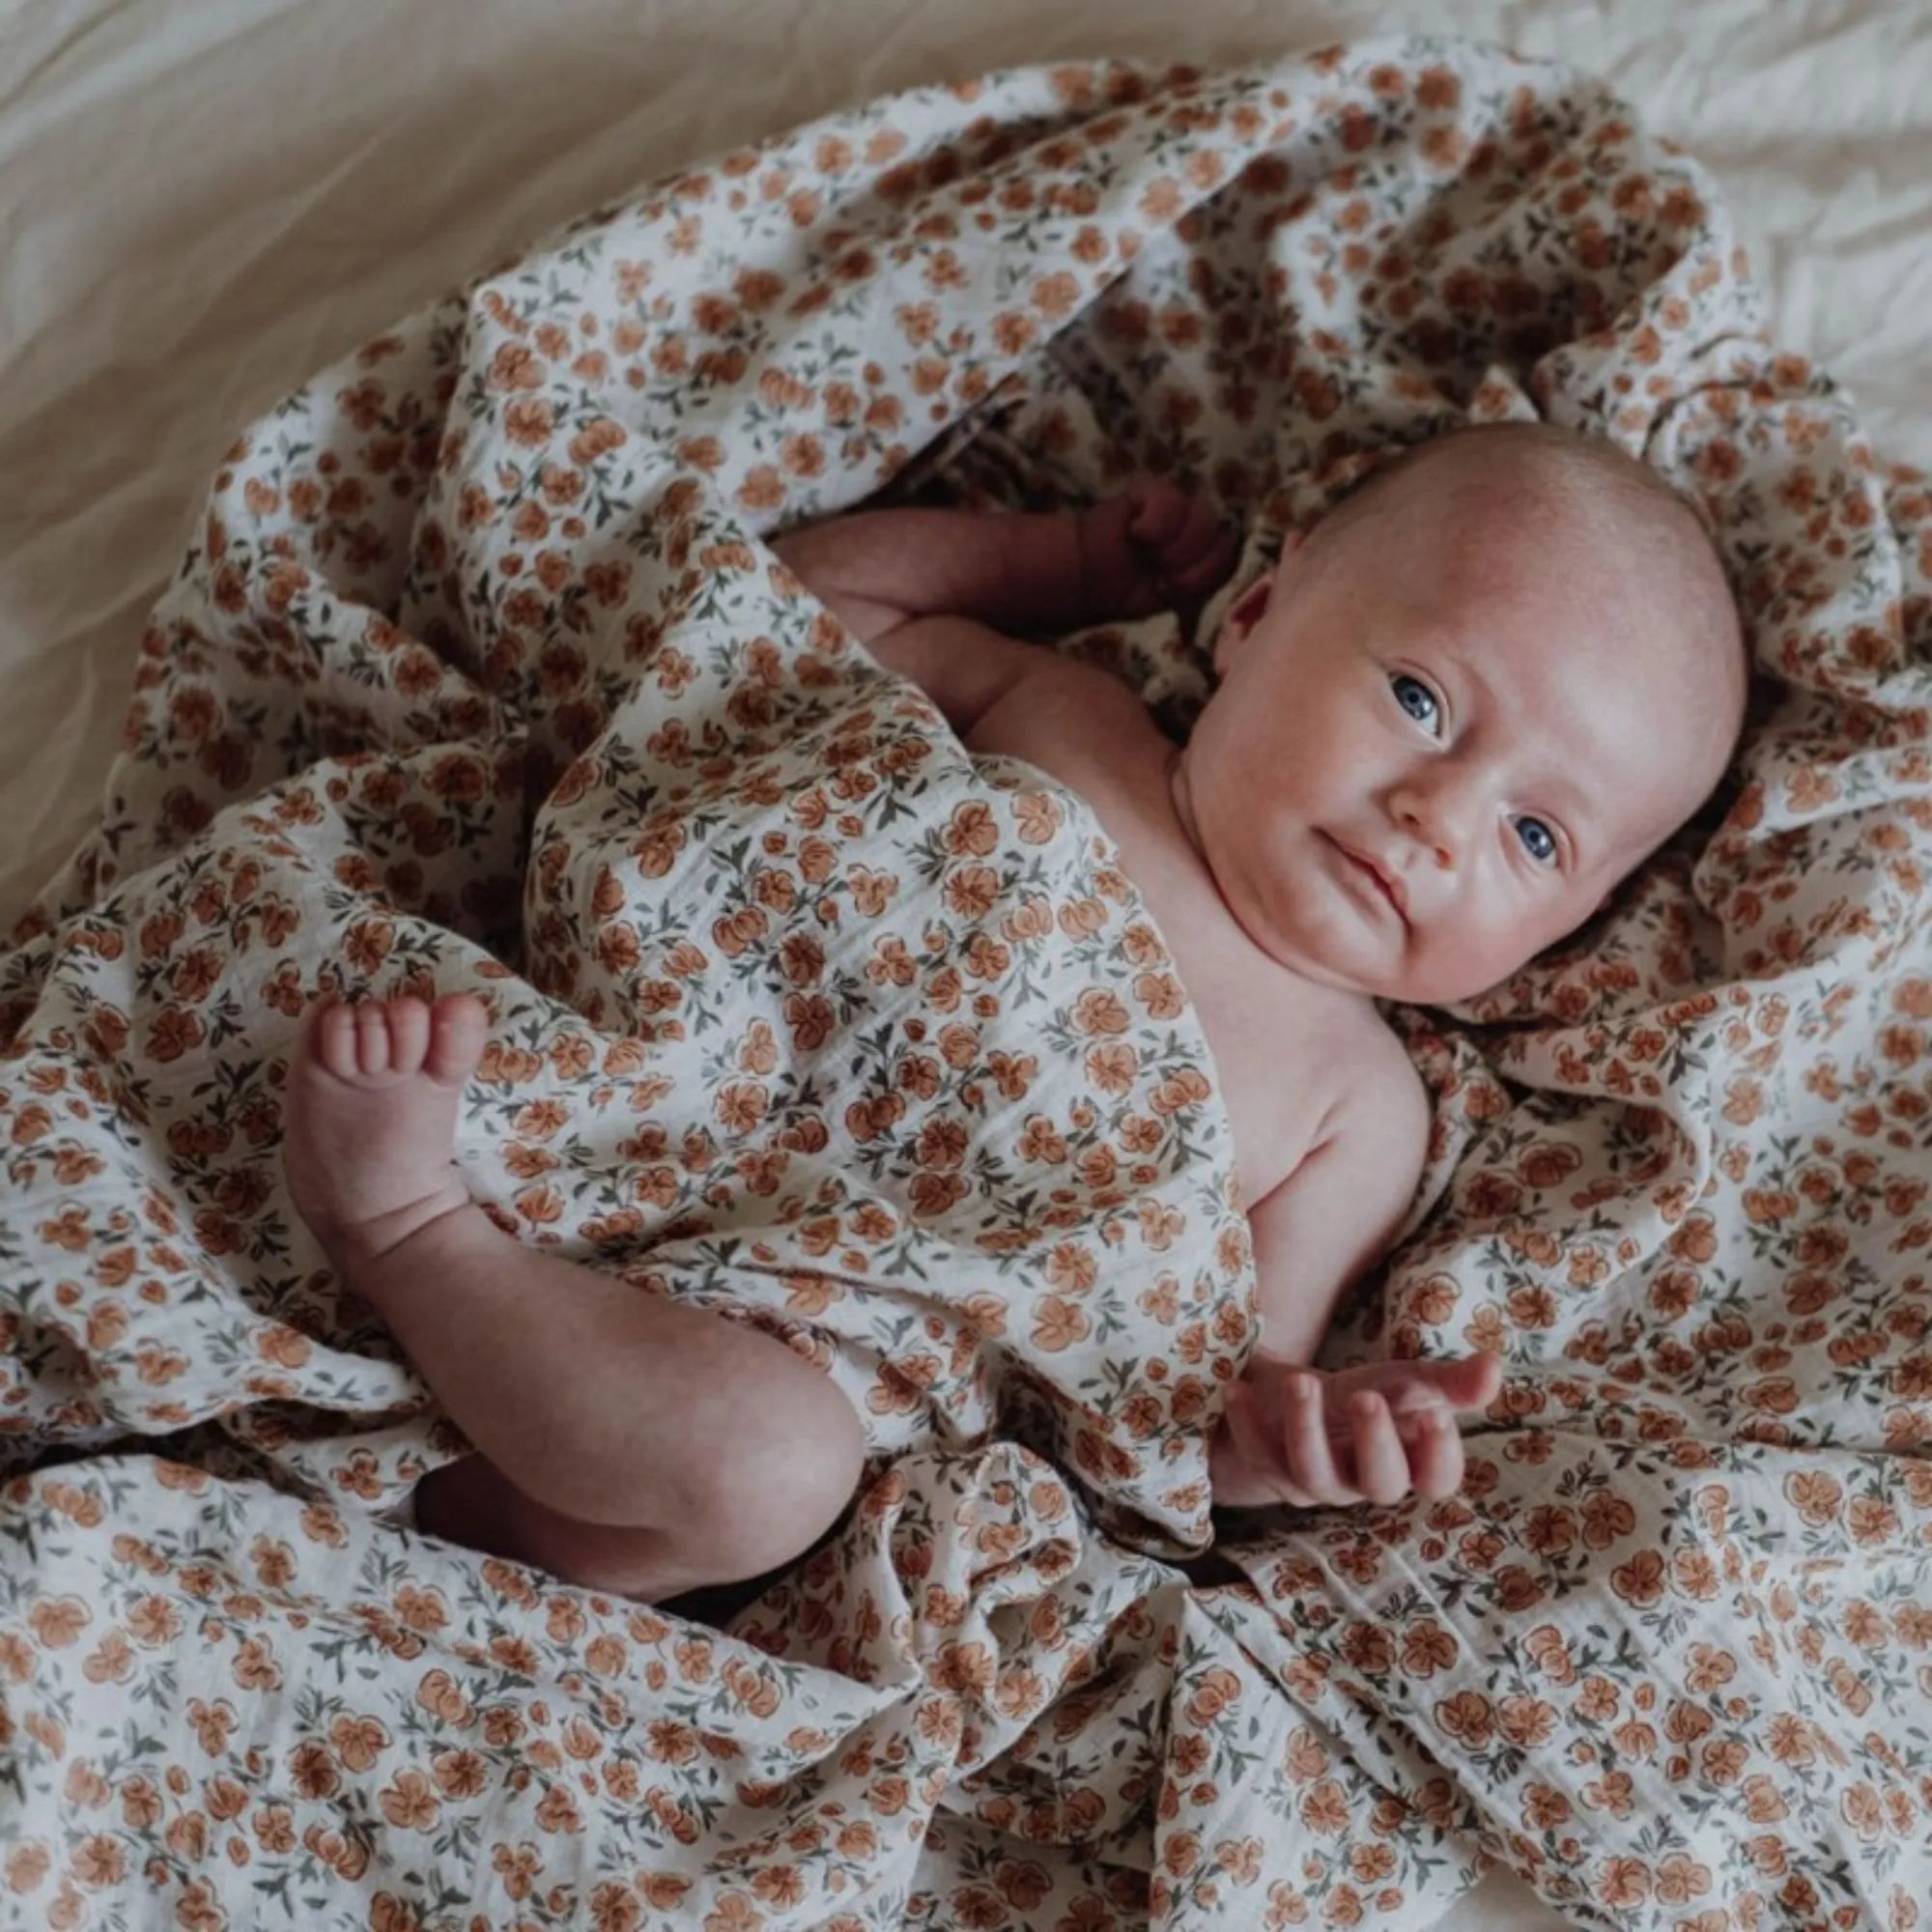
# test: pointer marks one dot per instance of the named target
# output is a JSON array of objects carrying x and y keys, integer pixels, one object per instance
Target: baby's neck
[{"x": 1183, "y": 803}]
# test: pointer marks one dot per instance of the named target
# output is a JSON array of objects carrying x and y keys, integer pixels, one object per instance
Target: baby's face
[{"x": 1443, "y": 734}]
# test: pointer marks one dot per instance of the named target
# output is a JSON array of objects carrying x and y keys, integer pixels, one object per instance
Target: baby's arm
[
  {"x": 933, "y": 593},
  {"x": 879, "y": 569},
  {"x": 1293, "y": 1434}
]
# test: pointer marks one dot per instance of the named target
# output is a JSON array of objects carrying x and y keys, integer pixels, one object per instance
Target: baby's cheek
[
  {"x": 1264, "y": 834},
  {"x": 1515, "y": 937}
]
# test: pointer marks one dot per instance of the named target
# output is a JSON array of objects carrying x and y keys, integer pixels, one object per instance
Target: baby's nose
[{"x": 1440, "y": 815}]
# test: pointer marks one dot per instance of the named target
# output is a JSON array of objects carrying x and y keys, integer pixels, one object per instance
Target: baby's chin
[
  {"x": 1412, "y": 985},
  {"x": 1325, "y": 961},
  {"x": 1444, "y": 990}
]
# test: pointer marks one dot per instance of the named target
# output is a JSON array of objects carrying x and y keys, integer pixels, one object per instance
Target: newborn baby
[{"x": 1461, "y": 709}]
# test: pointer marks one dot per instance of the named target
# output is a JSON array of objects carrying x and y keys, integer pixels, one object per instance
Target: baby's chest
[
  {"x": 1286, "y": 1051},
  {"x": 1286, "y": 1055}
]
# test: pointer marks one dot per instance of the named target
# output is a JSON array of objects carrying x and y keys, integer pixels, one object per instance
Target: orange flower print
[
  {"x": 972, "y": 890},
  {"x": 530, "y": 423},
  {"x": 173, "y": 1033},
  {"x": 1161, "y": 994},
  {"x": 1427, "y": 1648},
  {"x": 934, "y": 1194},
  {"x": 515, "y": 367},
  {"x": 1468, "y": 1717},
  {"x": 1059, "y": 1324},
  {"x": 1640, "y": 1580},
  {"x": 1100, "y": 1012},
  {"x": 408, "y": 1802}
]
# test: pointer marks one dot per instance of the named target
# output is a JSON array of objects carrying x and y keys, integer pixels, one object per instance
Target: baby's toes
[
  {"x": 331, "y": 1039},
  {"x": 458, "y": 1028},
  {"x": 372, "y": 1038},
  {"x": 408, "y": 1034}
]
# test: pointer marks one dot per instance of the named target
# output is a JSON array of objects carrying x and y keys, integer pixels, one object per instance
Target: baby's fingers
[
  {"x": 1381, "y": 1462},
  {"x": 1160, "y": 513},
  {"x": 1199, "y": 564},
  {"x": 1435, "y": 1452},
  {"x": 1189, "y": 528},
  {"x": 1202, "y": 532},
  {"x": 1308, "y": 1457}
]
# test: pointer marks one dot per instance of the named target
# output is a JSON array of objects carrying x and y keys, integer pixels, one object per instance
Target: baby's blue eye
[
  {"x": 1416, "y": 698},
  {"x": 1538, "y": 841}
]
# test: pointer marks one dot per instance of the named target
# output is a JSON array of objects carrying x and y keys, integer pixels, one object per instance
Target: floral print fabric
[{"x": 479, "y": 672}]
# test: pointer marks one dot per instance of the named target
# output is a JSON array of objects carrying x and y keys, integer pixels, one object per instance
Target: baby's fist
[{"x": 1152, "y": 548}]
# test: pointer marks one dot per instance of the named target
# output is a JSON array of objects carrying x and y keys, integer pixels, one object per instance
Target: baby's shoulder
[
  {"x": 1086, "y": 729},
  {"x": 1380, "y": 1097},
  {"x": 1353, "y": 1075},
  {"x": 1063, "y": 701},
  {"x": 1305, "y": 1069}
]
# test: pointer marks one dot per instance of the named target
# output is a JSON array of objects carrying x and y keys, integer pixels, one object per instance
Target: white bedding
[{"x": 206, "y": 199}]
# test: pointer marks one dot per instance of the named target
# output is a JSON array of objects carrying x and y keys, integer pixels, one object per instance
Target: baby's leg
[
  {"x": 473, "y": 1502},
  {"x": 659, "y": 1446}
]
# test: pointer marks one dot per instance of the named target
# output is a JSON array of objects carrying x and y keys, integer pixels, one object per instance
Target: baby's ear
[
  {"x": 1241, "y": 617},
  {"x": 1238, "y": 621}
]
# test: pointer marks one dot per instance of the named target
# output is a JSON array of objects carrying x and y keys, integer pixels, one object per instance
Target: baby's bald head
[
  {"x": 1505, "y": 670},
  {"x": 1612, "y": 518}
]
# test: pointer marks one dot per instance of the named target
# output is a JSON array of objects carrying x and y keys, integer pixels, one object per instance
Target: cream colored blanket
[{"x": 479, "y": 674}]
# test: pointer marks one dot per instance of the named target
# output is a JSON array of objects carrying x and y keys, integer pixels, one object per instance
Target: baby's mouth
[{"x": 1385, "y": 882}]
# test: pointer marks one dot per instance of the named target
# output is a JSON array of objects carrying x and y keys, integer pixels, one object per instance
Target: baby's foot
[{"x": 370, "y": 1120}]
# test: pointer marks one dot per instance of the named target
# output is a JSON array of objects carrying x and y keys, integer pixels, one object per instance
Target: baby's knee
[{"x": 788, "y": 1477}]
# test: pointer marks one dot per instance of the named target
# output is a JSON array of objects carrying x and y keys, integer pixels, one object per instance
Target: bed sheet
[{"x": 205, "y": 201}]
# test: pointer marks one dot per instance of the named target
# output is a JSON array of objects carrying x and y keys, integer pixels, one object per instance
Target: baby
[{"x": 1461, "y": 708}]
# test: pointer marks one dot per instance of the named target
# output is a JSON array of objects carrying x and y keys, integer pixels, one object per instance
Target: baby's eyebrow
[
  {"x": 1555, "y": 781},
  {"x": 1464, "y": 661},
  {"x": 1576, "y": 805}
]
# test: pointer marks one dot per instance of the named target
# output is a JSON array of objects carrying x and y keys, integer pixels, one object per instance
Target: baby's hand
[
  {"x": 1152, "y": 548},
  {"x": 1370, "y": 1435}
]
